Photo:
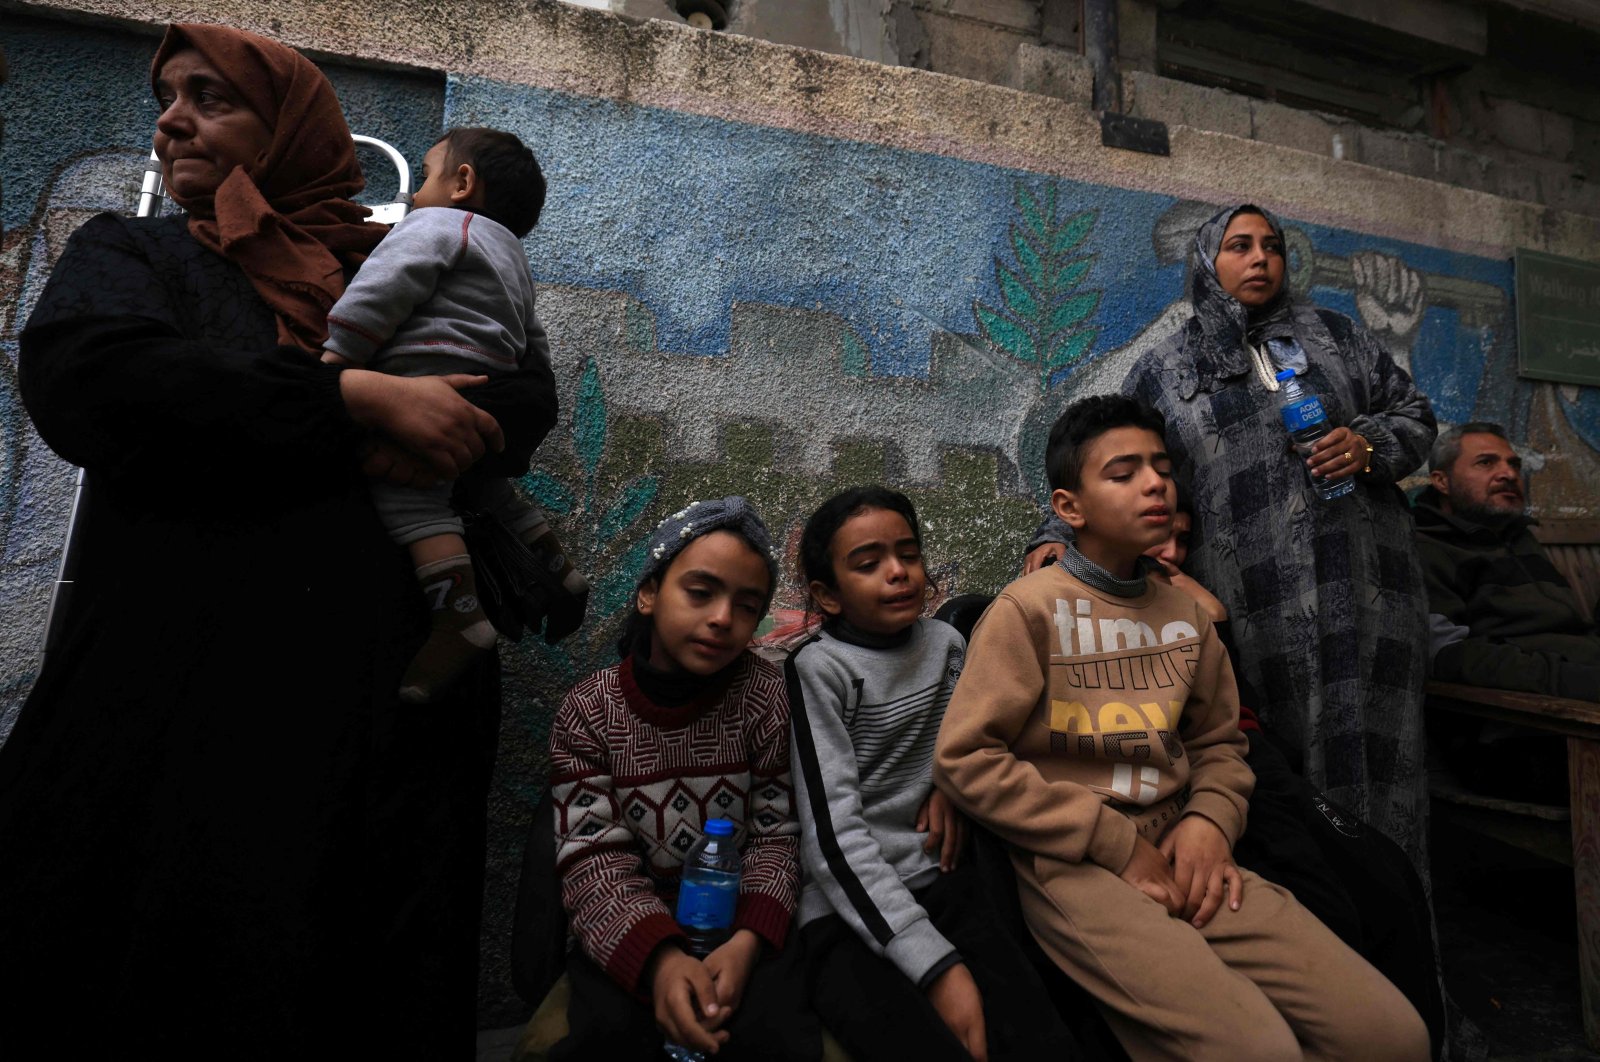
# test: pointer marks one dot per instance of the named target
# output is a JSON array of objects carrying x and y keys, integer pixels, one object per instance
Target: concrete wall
[
  {"x": 1017, "y": 43},
  {"x": 1480, "y": 96},
  {"x": 779, "y": 271},
  {"x": 1488, "y": 97}
]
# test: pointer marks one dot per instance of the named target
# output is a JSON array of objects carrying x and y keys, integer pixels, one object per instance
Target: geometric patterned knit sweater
[{"x": 633, "y": 783}]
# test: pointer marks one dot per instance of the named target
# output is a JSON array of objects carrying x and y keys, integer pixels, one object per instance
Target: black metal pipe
[{"x": 1100, "y": 48}]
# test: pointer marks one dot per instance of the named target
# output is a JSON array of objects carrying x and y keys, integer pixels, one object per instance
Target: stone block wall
[{"x": 1502, "y": 120}]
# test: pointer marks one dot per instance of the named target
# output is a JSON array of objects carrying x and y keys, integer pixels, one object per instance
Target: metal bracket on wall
[{"x": 1134, "y": 134}]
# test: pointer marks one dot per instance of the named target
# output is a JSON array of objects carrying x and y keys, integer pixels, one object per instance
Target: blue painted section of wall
[
  {"x": 690, "y": 214},
  {"x": 47, "y": 125},
  {"x": 1454, "y": 357},
  {"x": 1583, "y": 412},
  {"x": 83, "y": 91}
]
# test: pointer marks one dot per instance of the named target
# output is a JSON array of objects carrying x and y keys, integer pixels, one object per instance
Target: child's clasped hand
[{"x": 685, "y": 997}]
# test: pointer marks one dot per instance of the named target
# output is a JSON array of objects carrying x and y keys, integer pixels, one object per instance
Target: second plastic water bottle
[{"x": 1306, "y": 422}]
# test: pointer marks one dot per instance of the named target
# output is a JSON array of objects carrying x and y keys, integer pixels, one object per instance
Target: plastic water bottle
[
  {"x": 1306, "y": 422},
  {"x": 710, "y": 888},
  {"x": 706, "y": 898}
]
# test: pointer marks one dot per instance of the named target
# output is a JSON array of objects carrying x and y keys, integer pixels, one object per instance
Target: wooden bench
[{"x": 1574, "y": 548}]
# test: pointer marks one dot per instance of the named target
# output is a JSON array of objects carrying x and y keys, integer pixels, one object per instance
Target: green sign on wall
[{"x": 1558, "y": 318}]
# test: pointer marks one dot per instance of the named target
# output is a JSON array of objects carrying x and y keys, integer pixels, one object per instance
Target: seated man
[{"x": 1502, "y": 615}]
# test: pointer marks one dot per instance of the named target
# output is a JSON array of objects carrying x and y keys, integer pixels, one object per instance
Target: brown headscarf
[{"x": 287, "y": 218}]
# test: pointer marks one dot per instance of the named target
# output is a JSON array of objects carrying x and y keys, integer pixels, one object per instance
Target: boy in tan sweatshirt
[{"x": 1096, "y": 730}]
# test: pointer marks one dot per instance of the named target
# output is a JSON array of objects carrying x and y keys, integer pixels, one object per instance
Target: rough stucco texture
[{"x": 737, "y": 307}]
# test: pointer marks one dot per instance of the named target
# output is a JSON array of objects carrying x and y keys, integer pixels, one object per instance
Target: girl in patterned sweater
[
  {"x": 688, "y": 726},
  {"x": 903, "y": 951}
]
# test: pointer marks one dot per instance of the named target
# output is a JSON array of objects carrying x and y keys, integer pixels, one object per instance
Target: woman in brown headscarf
[{"x": 218, "y": 831}]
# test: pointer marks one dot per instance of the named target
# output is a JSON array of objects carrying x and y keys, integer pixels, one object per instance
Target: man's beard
[{"x": 1489, "y": 515}]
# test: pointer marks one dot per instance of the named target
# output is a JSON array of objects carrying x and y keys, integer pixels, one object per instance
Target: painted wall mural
[
  {"x": 748, "y": 309},
  {"x": 1042, "y": 319}
]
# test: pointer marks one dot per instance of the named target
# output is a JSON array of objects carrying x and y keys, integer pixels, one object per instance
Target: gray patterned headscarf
[
  {"x": 1226, "y": 324},
  {"x": 700, "y": 518}
]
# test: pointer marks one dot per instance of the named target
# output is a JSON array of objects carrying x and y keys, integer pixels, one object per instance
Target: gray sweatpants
[{"x": 411, "y": 514}]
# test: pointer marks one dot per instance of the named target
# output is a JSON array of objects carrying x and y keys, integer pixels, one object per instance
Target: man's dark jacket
[{"x": 1502, "y": 615}]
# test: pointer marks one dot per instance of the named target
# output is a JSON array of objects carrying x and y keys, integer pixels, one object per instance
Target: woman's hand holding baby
[{"x": 425, "y": 416}]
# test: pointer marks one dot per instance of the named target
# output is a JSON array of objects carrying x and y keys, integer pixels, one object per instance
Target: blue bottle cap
[
  {"x": 1285, "y": 375},
  {"x": 719, "y": 827}
]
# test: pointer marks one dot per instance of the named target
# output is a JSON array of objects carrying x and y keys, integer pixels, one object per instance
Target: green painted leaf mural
[
  {"x": 1072, "y": 272},
  {"x": 1014, "y": 290},
  {"x": 853, "y": 360},
  {"x": 1032, "y": 214},
  {"x": 605, "y": 501},
  {"x": 1043, "y": 318},
  {"x": 549, "y": 492},
  {"x": 1070, "y": 311},
  {"x": 1003, "y": 333},
  {"x": 589, "y": 423},
  {"x": 1072, "y": 232},
  {"x": 614, "y": 591},
  {"x": 1028, "y": 259},
  {"x": 636, "y": 497},
  {"x": 1071, "y": 349}
]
